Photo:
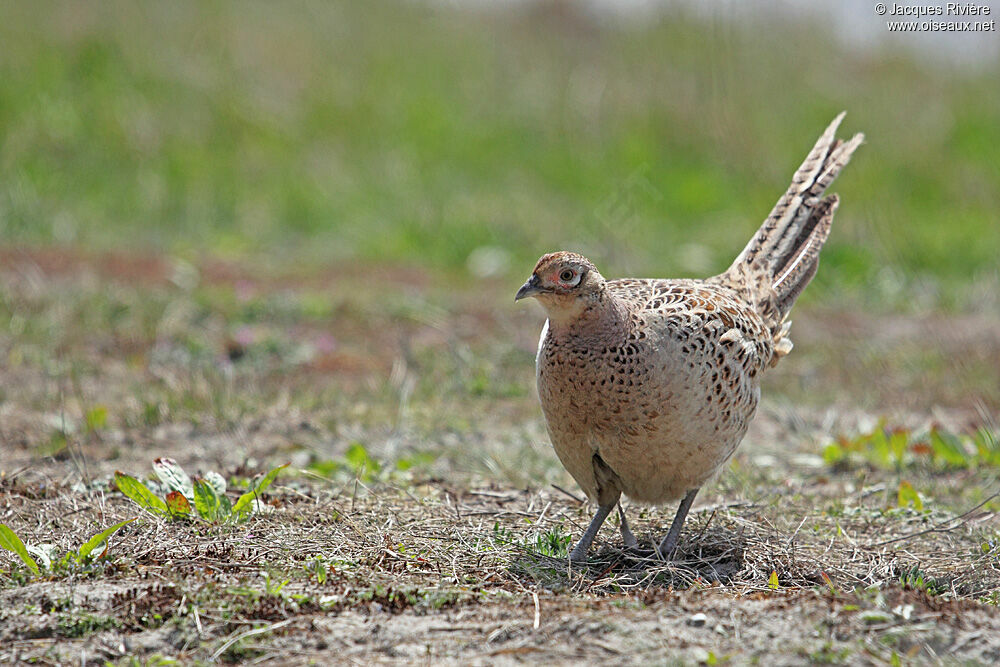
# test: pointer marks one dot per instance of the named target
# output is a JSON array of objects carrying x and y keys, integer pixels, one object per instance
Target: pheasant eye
[{"x": 567, "y": 275}]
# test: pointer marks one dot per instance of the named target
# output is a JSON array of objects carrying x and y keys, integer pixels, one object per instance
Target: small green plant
[
  {"x": 97, "y": 419},
  {"x": 553, "y": 542},
  {"x": 317, "y": 568},
  {"x": 918, "y": 580},
  {"x": 907, "y": 495},
  {"x": 82, "y": 624},
  {"x": 828, "y": 654},
  {"x": 199, "y": 498},
  {"x": 897, "y": 448},
  {"x": 46, "y": 553},
  {"x": 11, "y": 542},
  {"x": 273, "y": 587},
  {"x": 992, "y": 598},
  {"x": 356, "y": 462}
]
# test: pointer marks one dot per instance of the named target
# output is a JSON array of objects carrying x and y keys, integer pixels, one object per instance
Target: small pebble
[
  {"x": 700, "y": 655},
  {"x": 698, "y": 620}
]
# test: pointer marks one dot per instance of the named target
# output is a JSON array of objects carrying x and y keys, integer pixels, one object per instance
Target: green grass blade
[
  {"x": 97, "y": 540},
  {"x": 140, "y": 495},
  {"x": 11, "y": 542},
  {"x": 245, "y": 501}
]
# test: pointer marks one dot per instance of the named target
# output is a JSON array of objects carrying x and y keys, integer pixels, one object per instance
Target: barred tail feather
[{"x": 782, "y": 257}]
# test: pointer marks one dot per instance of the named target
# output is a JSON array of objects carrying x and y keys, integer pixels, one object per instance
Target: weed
[
  {"x": 898, "y": 448},
  {"x": 907, "y": 495},
  {"x": 828, "y": 654},
  {"x": 273, "y": 587},
  {"x": 10, "y": 541},
  {"x": 356, "y": 463},
  {"x": 46, "y": 553},
  {"x": 317, "y": 568},
  {"x": 82, "y": 624},
  {"x": 203, "y": 498},
  {"x": 992, "y": 598},
  {"x": 553, "y": 542},
  {"x": 918, "y": 580}
]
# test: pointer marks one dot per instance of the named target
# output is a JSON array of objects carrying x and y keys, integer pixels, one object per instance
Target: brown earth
[{"x": 450, "y": 551}]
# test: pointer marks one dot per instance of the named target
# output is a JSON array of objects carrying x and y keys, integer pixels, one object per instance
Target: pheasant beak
[{"x": 530, "y": 288}]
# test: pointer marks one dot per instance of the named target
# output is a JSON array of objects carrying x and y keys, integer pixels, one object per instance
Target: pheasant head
[{"x": 565, "y": 283}]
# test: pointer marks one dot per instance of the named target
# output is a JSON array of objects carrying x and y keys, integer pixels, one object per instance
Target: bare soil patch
[{"x": 446, "y": 543}]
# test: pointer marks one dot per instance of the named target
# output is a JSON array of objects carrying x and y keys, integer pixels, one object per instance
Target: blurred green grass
[{"x": 320, "y": 132}]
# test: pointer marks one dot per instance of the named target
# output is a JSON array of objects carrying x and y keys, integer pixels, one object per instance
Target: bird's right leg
[
  {"x": 669, "y": 542},
  {"x": 579, "y": 553},
  {"x": 627, "y": 536},
  {"x": 608, "y": 494}
]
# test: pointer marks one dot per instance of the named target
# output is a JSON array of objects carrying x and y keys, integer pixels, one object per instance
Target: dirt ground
[{"x": 424, "y": 518}]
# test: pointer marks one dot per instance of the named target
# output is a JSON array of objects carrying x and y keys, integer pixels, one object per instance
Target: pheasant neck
[{"x": 602, "y": 316}]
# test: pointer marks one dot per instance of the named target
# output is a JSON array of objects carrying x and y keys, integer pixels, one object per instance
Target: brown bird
[{"x": 648, "y": 386}]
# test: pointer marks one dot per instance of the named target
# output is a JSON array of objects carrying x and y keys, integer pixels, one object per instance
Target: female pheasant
[{"x": 648, "y": 386}]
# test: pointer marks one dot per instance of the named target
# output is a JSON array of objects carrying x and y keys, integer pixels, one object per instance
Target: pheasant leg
[
  {"x": 627, "y": 536},
  {"x": 579, "y": 553},
  {"x": 669, "y": 542}
]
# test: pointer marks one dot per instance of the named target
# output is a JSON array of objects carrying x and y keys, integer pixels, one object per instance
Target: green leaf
[
  {"x": 244, "y": 504},
  {"x": 907, "y": 495},
  {"x": 97, "y": 540},
  {"x": 97, "y": 418},
  {"x": 178, "y": 504},
  {"x": 988, "y": 446},
  {"x": 772, "y": 582},
  {"x": 364, "y": 466},
  {"x": 949, "y": 449},
  {"x": 140, "y": 495},
  {"x": 171, "y": 474},
  {"x": 225, "y": 507},
  {"x": 879, "y": 446},
  {"x": 833, "y": 453},
  {"x": 11, "y": 542},
  {"x": 897, "y": 445},
  {"x": 207, "y": 501}
]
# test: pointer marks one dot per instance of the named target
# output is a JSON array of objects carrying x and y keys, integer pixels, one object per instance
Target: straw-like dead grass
[{"x": 442, "y": 537}]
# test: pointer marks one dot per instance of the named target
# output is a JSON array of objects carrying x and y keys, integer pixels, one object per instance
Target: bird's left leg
[{"x": 627, "y": 536}]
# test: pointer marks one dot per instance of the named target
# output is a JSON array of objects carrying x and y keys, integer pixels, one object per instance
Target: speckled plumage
[
  {"x": 660, "y": 380},
  {"x": 648, "y": 386}
]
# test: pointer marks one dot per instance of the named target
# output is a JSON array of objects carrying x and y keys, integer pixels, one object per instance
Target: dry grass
[
  {"x": 428, "y": 553},
  {"x": 446, "y": 543}
]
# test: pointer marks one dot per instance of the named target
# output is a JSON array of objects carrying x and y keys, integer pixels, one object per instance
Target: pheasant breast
[{"x": 662, "y": 390}]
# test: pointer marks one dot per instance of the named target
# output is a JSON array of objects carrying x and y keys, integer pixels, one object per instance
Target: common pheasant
[{"x": 648, "y": 386}]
